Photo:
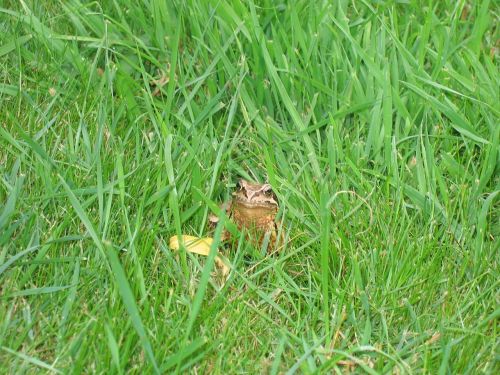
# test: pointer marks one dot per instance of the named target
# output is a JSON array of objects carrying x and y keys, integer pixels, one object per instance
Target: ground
[{"x": 124, "y": 123}]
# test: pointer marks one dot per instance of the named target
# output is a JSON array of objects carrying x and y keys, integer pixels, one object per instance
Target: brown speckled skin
[{"x": 253, "y": 209}]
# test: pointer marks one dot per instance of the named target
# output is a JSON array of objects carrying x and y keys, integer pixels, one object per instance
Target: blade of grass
[
  {"x": 118, "y": 274},
  {"x": 32, "y": 360}
]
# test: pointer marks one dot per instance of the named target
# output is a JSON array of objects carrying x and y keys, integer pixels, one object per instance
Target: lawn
[{"x": 123, "y": 123}]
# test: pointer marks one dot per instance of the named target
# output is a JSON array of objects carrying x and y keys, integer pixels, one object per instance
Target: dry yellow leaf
[
  {"x": 193, "y": 244},
  {"x": 198, "y": 245}
]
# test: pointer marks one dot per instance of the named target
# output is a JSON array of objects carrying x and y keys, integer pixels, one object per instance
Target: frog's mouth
[{"x": 265, "y": 206}]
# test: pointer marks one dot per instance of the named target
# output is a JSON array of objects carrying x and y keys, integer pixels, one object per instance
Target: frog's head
[{"x": 257, "y": 194}]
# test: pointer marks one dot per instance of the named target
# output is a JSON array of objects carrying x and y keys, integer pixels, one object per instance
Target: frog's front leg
[
  {"x": 226, "y": 207},
  {"x": 214, "y": 219}
]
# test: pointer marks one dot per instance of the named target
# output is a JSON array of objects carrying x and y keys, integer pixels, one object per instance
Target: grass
[{"x": 124, "y": 123}]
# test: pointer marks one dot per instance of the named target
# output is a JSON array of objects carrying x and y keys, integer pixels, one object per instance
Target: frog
[{"x": 253, "y": 208}]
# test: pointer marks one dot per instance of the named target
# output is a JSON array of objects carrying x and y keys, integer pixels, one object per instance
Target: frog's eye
[{"x": 266, "y": 188}]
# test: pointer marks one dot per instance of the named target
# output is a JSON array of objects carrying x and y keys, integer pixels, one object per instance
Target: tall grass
[{"x": 124, "y": 123}]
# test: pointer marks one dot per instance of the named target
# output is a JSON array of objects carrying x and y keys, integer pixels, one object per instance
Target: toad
[{"x": 253, "y": 209}]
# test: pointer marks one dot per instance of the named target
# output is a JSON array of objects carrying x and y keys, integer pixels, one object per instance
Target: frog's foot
[{"x": 225, "y": 236}]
